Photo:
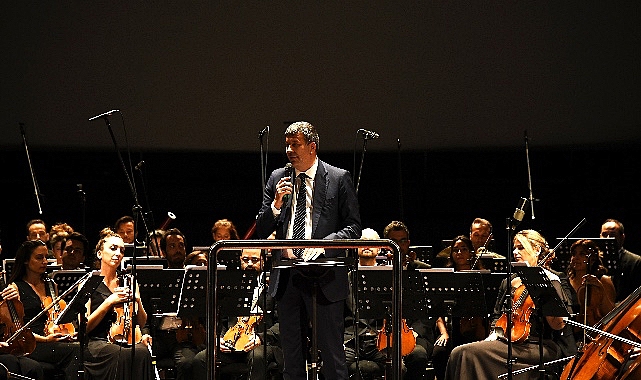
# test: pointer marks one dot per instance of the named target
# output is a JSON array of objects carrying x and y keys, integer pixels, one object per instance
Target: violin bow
[
  {"x": 46, "y": 309},
  {"x": 550, "y": 252}
]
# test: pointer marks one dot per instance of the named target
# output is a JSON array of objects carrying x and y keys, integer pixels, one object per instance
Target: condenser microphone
[
  {"x": 369, "y": 134},
  {"x": 139, "y": 165},
  {"x": 519, "y": 212},
  {"x": 263, "y": 131},
  {"x": 289, "y": 172},
  {"x": 104, "y": 114}
]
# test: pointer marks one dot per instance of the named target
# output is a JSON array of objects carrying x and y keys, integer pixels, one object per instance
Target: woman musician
[
  {"x": 29, "y": 277},
  {"x": 586, "y": 271},
  {"x": 103, "y": 359},
  {"x": 487, "y": 359}
]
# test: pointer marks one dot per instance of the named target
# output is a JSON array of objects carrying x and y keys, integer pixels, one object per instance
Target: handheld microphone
[
  {"x": 289, "y": 172},
  {"x": 104, "y": 114},
  {"x": 369, "y": 134}
]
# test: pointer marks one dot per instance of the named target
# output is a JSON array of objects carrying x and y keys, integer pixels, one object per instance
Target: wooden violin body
[
  {"x": 385, "y": 338},
  {"x": 121, "y": 331},
  {"x": 54, "y": 313},
  {"x": 241, "y": 333},
  {"x": 522, "y": 307},
  {"x": 605, "y": 357}
]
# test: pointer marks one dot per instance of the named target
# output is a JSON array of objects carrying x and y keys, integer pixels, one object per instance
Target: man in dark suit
[
  {"x": 328, "y": 209},
  {"x": 627, "y": 277}
]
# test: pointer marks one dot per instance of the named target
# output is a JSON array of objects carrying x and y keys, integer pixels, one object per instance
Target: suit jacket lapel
[{"x": 320, "y": 193}]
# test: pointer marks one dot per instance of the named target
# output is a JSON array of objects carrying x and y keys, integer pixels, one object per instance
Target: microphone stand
[
  {"x": 360, "y": 170},
  {"x": 529, "y": 175},
  {"x": 511, "y": 224},
  {"x": 136, "y": 214},
  {"x": 33, "y": 175}
]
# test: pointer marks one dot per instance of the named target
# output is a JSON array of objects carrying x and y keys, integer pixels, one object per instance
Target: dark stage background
[{"x": 442, "y": 191}]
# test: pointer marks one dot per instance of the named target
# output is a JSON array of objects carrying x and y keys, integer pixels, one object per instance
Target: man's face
[
  {"x": 175, "y": 251},
  {"x": 479, "y": 234},
  {"x": 250, "y": 260},
  {"x": 610, "y": 230},
  {"x": 126, "y": 232},
  {"x": 299, "y": 153},
  {"x": 400, "y": 237},
  {"x": 38, "y": 231},
  {"x": 73, "y": 254}
]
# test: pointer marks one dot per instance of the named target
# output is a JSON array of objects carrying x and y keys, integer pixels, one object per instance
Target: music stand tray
[
  {"x": 162, "y": 285},
  {"x": 456, "y": 294},
  {"x": 78, "y": 303},
  {"x": 65, "y": 279},
  {"x": 542, "y": 291},
  {"x": 235, "y": 292}
]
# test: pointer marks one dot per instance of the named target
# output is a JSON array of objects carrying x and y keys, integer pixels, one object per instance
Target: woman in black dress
[
  {"x": 103, "y": 359},
  {"x": 30, "y": 278}
]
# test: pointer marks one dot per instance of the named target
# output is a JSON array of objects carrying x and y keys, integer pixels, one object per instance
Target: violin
[
  {"x": 241, "y": 333},
  {"x": 385, "y": 337},
  {"x": 21, "y": 340},
  {"x": 54, "y": 313},
  {"x": 522, "y": 306},
  {"x": 120, "y": 331},
  {"x": 606, "y": 357}
]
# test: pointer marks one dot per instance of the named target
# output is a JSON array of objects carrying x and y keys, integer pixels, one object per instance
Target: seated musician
[
  {"x": 181, "y": 344},
  {"x": 487, "y": 359},
  {"x": 248, "y": 347},
  {"x": 463, "y": 329},
  {"x": 372, "y": 362},
  {"x": 586, "y": 268},
  {"x": 55, "y": 345},
  {"x": 108, "y": 354}
]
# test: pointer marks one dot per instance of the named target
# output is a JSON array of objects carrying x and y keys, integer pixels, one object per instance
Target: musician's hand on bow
[
  {"x": 252, "y": 343},
  {"x": 312, "y": 253}
]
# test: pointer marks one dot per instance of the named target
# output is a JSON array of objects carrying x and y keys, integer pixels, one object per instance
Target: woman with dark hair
[
  {"x": 103, "y": 359},
  {"x": 29, "y": 277},
  {"x": 586, "y": 269}
]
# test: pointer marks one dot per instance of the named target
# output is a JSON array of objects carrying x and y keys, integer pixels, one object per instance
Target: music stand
[
  {"x": 77, "y": 309},
  {"x": 546, "y": 300},
  {"x": 65, "y": 279},
  {"x": 454, "y": 294},
  {"x": 312, "y": 273}
]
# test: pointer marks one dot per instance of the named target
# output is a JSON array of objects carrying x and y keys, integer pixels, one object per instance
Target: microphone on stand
[
  {"x": 104, "y": 114},
  {"x": 263, "y": 131},
  {"x": 519, "y": 212},
  {"x": 139, "y": 165},
  {"x": 368, "y": 134}
]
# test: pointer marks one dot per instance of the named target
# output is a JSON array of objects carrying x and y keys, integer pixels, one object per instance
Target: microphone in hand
[{"x": 289, "y": 172}]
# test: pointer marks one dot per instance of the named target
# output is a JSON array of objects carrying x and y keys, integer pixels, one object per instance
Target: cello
[
  {"x": 21, "y": 341},
  {"x": 607, "y": 356}
]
